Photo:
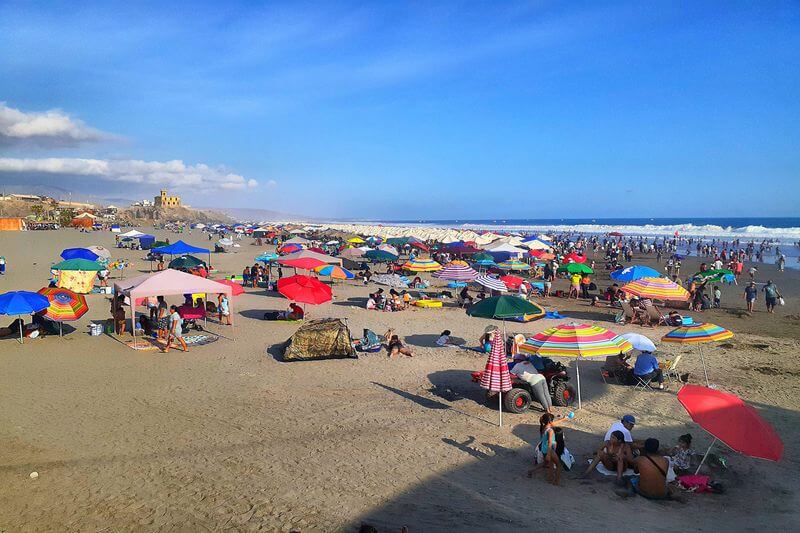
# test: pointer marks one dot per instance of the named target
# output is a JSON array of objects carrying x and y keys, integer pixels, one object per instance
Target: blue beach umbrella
[
  {"x": 634, "y": 272},
  {"x": 79, "y": 253},
  {"x": 22, "y": 303},
  {"x": 267, "y": 257}
]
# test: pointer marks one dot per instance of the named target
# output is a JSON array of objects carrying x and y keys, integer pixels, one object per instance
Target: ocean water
[{"x": 781, "y": 231}]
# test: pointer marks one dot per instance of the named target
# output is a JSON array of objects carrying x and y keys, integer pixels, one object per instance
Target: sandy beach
[{"x": 226, "y": 437}]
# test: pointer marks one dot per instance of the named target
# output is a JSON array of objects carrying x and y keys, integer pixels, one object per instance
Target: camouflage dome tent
[{"x": 328, "y": 338}]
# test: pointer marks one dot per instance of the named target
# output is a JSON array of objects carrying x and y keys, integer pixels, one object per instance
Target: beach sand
[{"x": 227, "y": 438}]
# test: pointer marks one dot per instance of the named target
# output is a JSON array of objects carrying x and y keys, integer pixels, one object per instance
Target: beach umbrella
[
  {"x": 352, "y": 254},
  {"x": 639, "y": 342},
  {"x": 541, "y": 254},
  {"x": 700, "y": 333},
  {"x": 496, "y": 377},
  {"x": 267, "y": 257},
  {"x": 504, "y": 307},
  {"x": 491, "y": 283},
  {"x": 65, "y": 305},
  {"x": 536, "y": 244},
  {"x": 78, "y": 264},
  {"x": 576, "y": 340},
  {"x": 574, "y": 258},
  {"x": 22, "y": 303},
  {"x": 729, "y": 419},
  {"x": 79, "y": 253},
  {"x": 356, "y": 240},
  {"x": 513, "y": 264},
  {"x": 185, "y": 262},
  {"x": 634, "y": 272},
  {"x": 398, "y": 241},
  {"x": 334, "y": 272},
  {"x": 305, "y": 263},
  {"x": 656, "y": 289},
  {"x": 374, "y": 240},
  {"x": 380, "y": 256},
  {"x": 304, "y": 289},
  {"x": 390, "y": 280},
  {"x": 389, "y": 248},
  {"x": 456, "y": 271},
  {"x": 290, "y": 248},
  {"x": 236, "y": 289},
  {"x": 483, "y": 256},
  {"x": 512, "y": 282},
  {"x": 100, "y": 251},
  {"x": 575, "y": 268},
  {"x": 422, "y": 265},
  {"x": 714, "y": 275}
]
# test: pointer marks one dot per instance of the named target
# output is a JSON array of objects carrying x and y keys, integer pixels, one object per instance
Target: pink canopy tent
[{"x": 168, "y": 282}]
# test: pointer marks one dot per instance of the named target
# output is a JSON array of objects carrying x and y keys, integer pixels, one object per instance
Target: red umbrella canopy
[
  {"x": 316, "y": 249},
  {"x": 574, "y": 258},
  {"x": 512, "y": 282},
  {"x": 304, "y": 289},
  {"x": 496, "y": 377},
  {"x": 236, "y": 289},
  {"x": 732, "y": 421},
  {"x": 306, "y": 263}
]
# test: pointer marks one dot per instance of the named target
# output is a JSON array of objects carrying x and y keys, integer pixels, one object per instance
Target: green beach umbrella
[
  {"x": 483, "y": 257},
  {"x": 504, "y": 307},
  {"x": 713, "y": 275},
  {"x": 185, "y": 261},
  {"x": 78, "y": 264},
  {"x": 575, "y": 268}
]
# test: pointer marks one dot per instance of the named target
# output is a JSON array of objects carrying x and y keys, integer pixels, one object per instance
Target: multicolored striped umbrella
[
  {"x": 513, "y": 264},
  {"x": 656, "y": 289},
  {"x": 496, "y": 377},
  {"x": 699, "y": 333},
  {"x": 65, "y": 305},
  {"x": 456, "y": 271},
  {"x": 576, "y": 340},
  {"x": 491, "y": 283},
  {"x": 422, "y": 265},
  {"x": 334, "y": 271}
]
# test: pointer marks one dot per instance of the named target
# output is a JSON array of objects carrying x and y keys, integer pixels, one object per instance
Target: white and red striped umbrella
[
  {"x": 496, "y": 377},
  {"x": 456, "y": 271}
]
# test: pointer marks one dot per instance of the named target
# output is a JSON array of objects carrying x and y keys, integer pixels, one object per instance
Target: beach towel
[
  {"x": 606, "y": 472},
  {"x": 554, "y": 315}
]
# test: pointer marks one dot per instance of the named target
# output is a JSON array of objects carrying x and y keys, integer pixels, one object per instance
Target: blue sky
[{"x": 409, "y": 109}]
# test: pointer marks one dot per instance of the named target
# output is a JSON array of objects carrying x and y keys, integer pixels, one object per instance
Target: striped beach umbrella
[
  {"x": 334, "y": 272},
  {"x": 422, "y": 265},
  {"x": 65, "y": 305},
  {"x": 699, "y": 334},
  {"x": 513, "y": 264},
  {"x": 491, "y": 283},
  {"x": 576, "y": 340},
  {"x": 496, "y": 377},
  {"x": 656, "y": 289},
  {"x": 456, "y": 271}
]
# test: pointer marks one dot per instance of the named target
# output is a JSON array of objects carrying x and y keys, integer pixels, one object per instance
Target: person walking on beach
[
  {"x": 750, "y": 294},
  {"x": 2, "y": 266},
  {"x": 175, "y": 330},
  {"x": 224, "y": 310},
  {"x": 771, "y": 293}
]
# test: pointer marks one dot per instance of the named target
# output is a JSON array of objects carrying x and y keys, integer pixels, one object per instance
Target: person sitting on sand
[
  {"x": 624, "y": 426},
  {"x": 674, "y": 318},
  {"x": 444, "y": 339},
  {"x": 295, "y": 312},
  {"x": 396, "y": 347},
  {"x": 466, "y": 299},
  {"x": 615, "y": 454},
  {"x": 681, "y": 455},
  {"x": 652, "y": 468}
]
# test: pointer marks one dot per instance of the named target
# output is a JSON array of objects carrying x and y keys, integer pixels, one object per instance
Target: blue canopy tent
[
  {"x": 181, "y": 248},
  {"x": 146, "y": 241},
  {"x": 79, "y": 253}
]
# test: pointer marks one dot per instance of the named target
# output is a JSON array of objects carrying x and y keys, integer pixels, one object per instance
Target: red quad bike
[{"x": 519, "y": 399}]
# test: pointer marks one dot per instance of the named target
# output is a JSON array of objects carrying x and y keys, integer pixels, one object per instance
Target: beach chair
[
  {"x": 629, "y": 315},
  {"x": 655, "y": 316},
  {"x": 642, "y": 383},
  {"x": 671, "y": 372},
  {"x": 612, "y": 371}
]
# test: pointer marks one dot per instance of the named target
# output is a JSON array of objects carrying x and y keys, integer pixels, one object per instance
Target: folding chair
[
  {"x": 671, "y": 372},
  {"x": 629, "y": 314},
  {"x": 642, "y": 383},
  {"x": 656, "y": 317}
]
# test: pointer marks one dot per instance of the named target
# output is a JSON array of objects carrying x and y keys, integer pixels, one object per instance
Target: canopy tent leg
[{"x": 713, "y": 442}]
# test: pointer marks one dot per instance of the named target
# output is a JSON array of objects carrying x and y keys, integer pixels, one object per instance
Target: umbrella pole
[
  {"x": 20, "y": 331},
  {"x": 713, "y": 442},
  {"x": 60, "y": 329},
  {"x": 578, "y": 373},
  {"x": 705, "y": 371},
  {"x": 500, "y": 406}
]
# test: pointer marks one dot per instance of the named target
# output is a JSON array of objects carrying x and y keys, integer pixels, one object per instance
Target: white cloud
[
  {"x": 271, "y": 184},
  {"x": 175, "y": 174},
  {"x": 52, "y": 127}
]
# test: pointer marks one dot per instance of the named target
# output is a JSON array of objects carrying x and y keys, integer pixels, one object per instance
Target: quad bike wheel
[
  {"x": 563, "y": 394},
  {"x": 517, "y": 401}
]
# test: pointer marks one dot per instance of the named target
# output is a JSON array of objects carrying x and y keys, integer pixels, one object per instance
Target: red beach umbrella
[
  {"x": 512, "y": 282},
  {"x": 304, "y": 289},
  {"x": 574, "y": 258},
  {"x": 236, "y": 289},
  {"x": 727, "y": 418},
  {"x": 496, "y": 377},
  {"x": 305, "y": 263}
]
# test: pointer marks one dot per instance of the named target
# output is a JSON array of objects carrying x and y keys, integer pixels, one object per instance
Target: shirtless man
[{"x": 652, "y": 468}]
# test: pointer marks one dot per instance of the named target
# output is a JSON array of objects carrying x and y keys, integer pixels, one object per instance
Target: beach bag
[
  {"x": 567, "y": 460},
  {"x": 781, "y": 301}
]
